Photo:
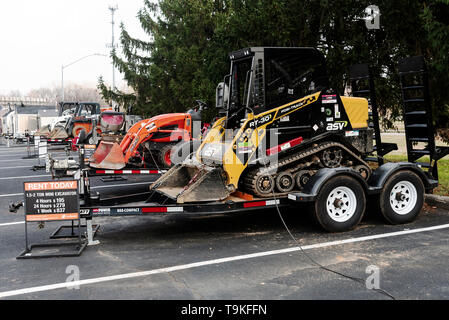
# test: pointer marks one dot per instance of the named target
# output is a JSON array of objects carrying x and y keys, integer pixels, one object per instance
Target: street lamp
[{"x": 68, "y": 65}]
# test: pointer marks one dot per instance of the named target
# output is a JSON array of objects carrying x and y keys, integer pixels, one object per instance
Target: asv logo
[{"x": 339, "y": 125}]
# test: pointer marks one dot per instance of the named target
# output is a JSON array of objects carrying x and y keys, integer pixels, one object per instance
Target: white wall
[{"x": 26, "y": 122}]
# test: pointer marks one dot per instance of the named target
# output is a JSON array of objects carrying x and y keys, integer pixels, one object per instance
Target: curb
[{"x": 437, "y": 201}]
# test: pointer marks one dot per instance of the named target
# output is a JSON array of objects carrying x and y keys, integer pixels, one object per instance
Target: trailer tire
[
  {"x": 82, "y": 136},
  {"x": 77, "y": 129},
  {"x": 402, "y": 197},
  {"x": 340, "y": 204}
]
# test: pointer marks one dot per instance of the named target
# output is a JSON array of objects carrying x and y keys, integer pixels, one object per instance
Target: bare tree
[{"x": 72, "y": 92}]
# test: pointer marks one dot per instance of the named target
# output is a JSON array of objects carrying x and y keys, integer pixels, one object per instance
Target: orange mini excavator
[{"x": 150, "y": 142}]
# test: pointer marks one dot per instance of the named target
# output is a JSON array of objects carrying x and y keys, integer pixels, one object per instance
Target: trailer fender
[
  {"x": 313, "y": 187},
  {"x": 380, "y": 176}
]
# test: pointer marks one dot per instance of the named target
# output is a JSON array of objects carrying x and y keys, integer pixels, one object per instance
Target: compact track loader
[
  {"x": 150, "y": 142},
  {"x": 282, "y": 124}
]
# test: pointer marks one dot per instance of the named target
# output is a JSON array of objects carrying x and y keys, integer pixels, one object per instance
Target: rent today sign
[{"x": 51, "y": 200}]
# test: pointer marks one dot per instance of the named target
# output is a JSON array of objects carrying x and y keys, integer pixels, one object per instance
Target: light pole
[
  {"x": 68, "y": 65},
  {"x": 112, "y": 45}
]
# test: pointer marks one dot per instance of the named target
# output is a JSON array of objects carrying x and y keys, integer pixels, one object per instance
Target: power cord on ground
[{"x": 358, "y": 280}]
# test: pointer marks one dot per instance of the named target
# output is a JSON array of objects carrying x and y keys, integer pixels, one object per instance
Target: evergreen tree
[{"x": 187, "y": 54}]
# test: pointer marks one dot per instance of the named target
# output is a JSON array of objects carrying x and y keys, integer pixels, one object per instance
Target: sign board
[
  {"x": 37, "y": 140},
  {"x": 51, "y": 200},
  {"x": 89, "y": 150}
]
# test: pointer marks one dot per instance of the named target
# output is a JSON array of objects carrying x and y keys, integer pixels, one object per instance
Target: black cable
[{"x": 358, "y": 280}]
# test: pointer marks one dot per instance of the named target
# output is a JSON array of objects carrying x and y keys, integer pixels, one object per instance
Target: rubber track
[{"x": 251, "y": 177}]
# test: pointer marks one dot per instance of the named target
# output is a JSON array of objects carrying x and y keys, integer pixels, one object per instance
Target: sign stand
[
  {"x": 42, "y": 153},
  {"x": 31, "y": 150},
  {"x": 71, "y": 232},
  {"x": 52, "y": 201},
  {"x": 91, "y": 233}
]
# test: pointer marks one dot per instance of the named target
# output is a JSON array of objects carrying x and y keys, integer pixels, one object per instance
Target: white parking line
[
  {"x": 15, "y": 167},
  {"x": 11, "y": 223},
  {"x": 11, "y": 195},
  {"x": 24, "y": 177},
  {"x": 211, "y": 262},
  {"x": 15, "y": 160},
  {"x": 14, "y": 155}
]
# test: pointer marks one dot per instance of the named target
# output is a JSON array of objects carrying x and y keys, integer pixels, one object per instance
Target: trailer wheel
[
  {"x": 340, "y": 204},
  {"x": 402, "y": 197},
  {"x": 77, "y": 129}
]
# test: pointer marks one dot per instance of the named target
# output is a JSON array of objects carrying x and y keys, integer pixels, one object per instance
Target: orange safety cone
[{"x": 108, "y": 155}]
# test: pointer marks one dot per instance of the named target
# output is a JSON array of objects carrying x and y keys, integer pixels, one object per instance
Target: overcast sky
[{"x": 39, "y": 36}]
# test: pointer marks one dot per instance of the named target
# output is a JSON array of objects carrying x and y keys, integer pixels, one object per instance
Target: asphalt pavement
[{"x": 247, "y": 255}]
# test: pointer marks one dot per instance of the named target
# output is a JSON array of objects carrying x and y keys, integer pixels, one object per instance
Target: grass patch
[{"x": 443, "y": 172}]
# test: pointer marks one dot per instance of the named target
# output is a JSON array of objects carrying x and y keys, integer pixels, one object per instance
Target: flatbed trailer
[
  {"x": 410, "y": 188},
  {"x": 394, "y": 186}
]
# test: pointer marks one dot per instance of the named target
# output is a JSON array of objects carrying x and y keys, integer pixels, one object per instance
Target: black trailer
[{"x": 338, "y": 198}]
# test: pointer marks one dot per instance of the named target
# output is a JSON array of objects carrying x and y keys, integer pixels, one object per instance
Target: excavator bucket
[
  {"x": 192, "y": 183},
  {"x": 58, "y": 133},
  {"x": 108, "y": 155}
]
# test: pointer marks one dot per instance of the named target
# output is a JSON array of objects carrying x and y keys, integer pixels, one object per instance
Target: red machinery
[{"x": 149, "y": 142}]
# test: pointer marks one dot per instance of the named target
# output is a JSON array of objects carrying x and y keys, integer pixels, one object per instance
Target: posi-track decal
[{"x": 298, "y": 105}]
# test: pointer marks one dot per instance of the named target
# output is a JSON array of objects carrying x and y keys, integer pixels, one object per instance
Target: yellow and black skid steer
[{"x": 282, "y": 123}]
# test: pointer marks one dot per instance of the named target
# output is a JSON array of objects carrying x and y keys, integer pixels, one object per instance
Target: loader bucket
[
  {"x": 58, "y": 133},
  {"x": 44, "y": 131},
  {"x": 108, "y": 155},
  {"x": 185, "y": 183}
]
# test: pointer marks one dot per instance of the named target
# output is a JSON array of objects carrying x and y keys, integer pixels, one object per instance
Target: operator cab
[
  {"x": 263, "y": 78},
  {"x": 88, "y": 109},
  {"x": 67, "y": 108}
]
